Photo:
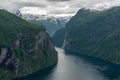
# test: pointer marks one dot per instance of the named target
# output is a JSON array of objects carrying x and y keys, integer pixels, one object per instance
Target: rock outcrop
[{"x": 24, "y": 47}]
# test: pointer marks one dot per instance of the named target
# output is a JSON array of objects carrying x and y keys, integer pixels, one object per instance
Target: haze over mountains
[{"x": 50, "y": 22}]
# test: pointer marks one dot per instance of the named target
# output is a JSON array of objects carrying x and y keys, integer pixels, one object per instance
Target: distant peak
[
  {"x": 89, "y": 10},
  {"x": 100, "y": 9}
]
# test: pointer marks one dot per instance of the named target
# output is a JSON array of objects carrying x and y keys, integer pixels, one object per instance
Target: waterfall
[{"x": 65, "y": 40}]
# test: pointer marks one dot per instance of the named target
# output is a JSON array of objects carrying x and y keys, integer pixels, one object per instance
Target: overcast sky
[{"x": 58, "y": 7}]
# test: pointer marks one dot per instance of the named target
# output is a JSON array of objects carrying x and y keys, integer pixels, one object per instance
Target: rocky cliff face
[{"x": 24, "y": 49}]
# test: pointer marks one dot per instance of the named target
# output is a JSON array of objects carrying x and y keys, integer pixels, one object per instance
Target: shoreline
[
  {"x": 39, "y": 73},
  {"x": 112, "y": 70}
]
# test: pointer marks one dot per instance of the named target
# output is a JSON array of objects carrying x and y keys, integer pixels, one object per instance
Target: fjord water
[{"x": 69, "y": 67}]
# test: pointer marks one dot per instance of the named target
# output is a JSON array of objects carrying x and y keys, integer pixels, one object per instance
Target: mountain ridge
[{"x": 94, "y": 34}]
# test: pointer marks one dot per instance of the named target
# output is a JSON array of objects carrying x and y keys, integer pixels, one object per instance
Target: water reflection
[{"x": 69, "y": 67}]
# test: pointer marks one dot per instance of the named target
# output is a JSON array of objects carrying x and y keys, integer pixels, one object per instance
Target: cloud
[
  {"x": 29, "y": 4},
  {"x": 101, "y": 6},
  {"x": 36, "y": 10},
  {"x": 58, "y": 6},
  {"x": 58, "y": 0}
]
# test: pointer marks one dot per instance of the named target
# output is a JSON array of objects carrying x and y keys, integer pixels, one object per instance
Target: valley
[
  {"x": 41, "y": 42},
  {"x": 50, "y": 22}
]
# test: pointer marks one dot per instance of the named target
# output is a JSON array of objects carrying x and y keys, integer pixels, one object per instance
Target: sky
[{"x": 56, "y": 7}]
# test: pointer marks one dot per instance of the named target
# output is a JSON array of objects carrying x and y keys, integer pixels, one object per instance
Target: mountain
[
  {"x": 93, "y": 33},
  {"x": 17, "y": 13},
  {"x": 51, "y": 23},
  {"x": 24, "y": 47},
  {"x": 59, "y": 37}
]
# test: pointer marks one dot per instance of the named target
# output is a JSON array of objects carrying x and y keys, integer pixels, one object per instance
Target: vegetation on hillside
[
  {"x": 95, "y": 33},
  {"x": 27, "y": 54}
]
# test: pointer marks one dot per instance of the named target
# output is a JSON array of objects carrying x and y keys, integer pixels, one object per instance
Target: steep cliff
[
  {"x": 58, "y": 38},
  {"x": 24, "y": 47},
  {"x": 94, "y": 33}
]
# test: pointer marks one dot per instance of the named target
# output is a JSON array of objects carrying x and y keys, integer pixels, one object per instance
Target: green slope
[
  {"x": 95, "y": 33},
  {"x": 58, "y": 38},
  {"x": 10, "y": 25},
  {"x": 51, "y": 27},
  {"x": 28, "y": 47}
]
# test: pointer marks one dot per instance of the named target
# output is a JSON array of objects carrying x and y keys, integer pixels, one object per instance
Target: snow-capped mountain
[
  {"x": 18, "y": 13},
  {"x": 52, "y": 19},
  {"x": 51, "y": 23}
]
